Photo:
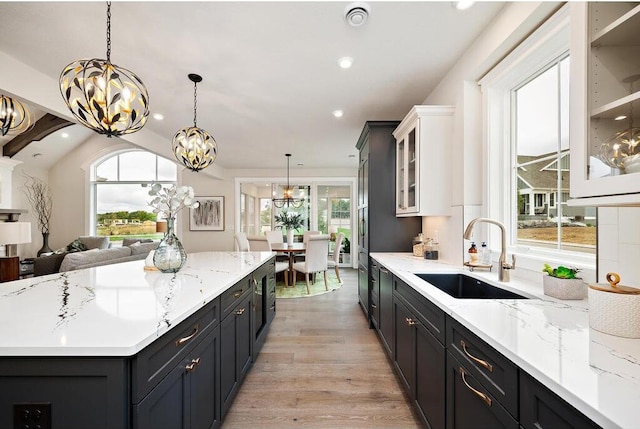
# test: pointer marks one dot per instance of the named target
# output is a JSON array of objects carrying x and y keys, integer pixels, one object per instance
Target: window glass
[
  {"x": 541, "y": 120},
  {"x": 107, "y": 170},
  {"x": 138, "y": 165}
]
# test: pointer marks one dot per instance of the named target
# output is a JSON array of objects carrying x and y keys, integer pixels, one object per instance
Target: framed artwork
[{"x": 208, "y": 216}]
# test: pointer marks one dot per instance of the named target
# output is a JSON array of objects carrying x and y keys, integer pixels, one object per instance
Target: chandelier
[
  {"x": 14, "y": 116},
  {"x": 287, "y": 195},
  {"x": 104, "y": 97},
  {"x": 193, "y": 146}
]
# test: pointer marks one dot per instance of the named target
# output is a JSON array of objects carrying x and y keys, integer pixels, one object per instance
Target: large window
[
  {"x": 120, "y": 194},
  {"x": 528, "y": 156}
]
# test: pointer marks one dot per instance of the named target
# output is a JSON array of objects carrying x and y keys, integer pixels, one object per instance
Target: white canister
[{"x": 614, "y": 309}]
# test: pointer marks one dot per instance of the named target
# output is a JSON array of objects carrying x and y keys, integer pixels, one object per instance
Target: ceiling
[{"x": 270, "y": 74}]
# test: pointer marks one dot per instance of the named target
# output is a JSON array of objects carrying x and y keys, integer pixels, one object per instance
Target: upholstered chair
[
  {"x": 335, "y": 258},
  {"x": 315, "y": 259}
]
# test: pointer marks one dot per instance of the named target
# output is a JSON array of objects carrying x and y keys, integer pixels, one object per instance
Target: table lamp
[{"x": 12, "y": 234}]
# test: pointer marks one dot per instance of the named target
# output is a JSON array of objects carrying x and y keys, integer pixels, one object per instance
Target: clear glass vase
[{"x": 170, "y": 255}]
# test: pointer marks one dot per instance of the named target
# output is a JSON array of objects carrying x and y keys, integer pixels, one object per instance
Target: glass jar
[
  {"x": 431, "y": 250},
  {"x": 418, "y": 245}
]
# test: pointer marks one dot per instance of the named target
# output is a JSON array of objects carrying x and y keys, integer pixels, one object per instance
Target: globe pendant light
[
  {"x": 192, "y": 146},
  {"x": 287, "y": 197},
  {"x": 14, "y": 116},
  {"x": 106, "y": 98}
]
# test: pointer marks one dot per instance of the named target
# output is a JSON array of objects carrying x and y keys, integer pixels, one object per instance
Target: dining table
[{"x": 291, "y": 250}]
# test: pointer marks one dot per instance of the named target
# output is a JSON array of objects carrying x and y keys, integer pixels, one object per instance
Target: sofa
[{"x": 98, "y": 252}]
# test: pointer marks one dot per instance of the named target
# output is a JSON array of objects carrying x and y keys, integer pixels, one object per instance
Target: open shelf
[
  {"x": 621, "y": 32},
  {"x": 615, "y": 108}
]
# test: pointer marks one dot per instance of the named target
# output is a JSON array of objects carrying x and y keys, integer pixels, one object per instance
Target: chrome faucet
[{"x": 503, "y": 265}]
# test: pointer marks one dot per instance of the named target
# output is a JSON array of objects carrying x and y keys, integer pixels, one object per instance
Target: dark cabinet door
[
  {"x": 430, "y": 381},
  {"x": 404, "y": 350},
  {"x": 469, "y": 405},
  {"x": 363, "y": 177},
  {"x": 235, "y": 350},
  {"x": 386, "y": 309},
  {"x": 188, "y": 396},
  {"x": 363, "y": 288},
  {"x": 540, "y": 408},
  {"x": 204, "y": 388}
]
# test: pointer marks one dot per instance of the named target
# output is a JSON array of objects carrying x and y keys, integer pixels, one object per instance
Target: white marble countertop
[
  {"x": 598, "y": 374},
  {"x": 112, "y": 310}
]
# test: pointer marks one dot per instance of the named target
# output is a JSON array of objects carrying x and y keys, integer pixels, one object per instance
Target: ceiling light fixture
[
  {"x": 345, "y": 62},
  {"x": 14, "y": 116},
  {"x": 356, "y": 13},
  {"x": 287, "y": 194},
  {"x": 64, "y": 135},
  {"x": 338, "y": 113},
  {"x": 104, "y": 97},
  {"x": 158, "y": 116},
  {"x": 463, "y": 4},
  {"x": 195, "y": 148}
]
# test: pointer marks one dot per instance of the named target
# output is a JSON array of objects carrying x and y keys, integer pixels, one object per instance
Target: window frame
[{"x": 544, "y": 47}]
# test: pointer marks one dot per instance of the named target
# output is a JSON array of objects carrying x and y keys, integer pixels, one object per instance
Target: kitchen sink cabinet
[
  {"x": 423, "y": 162},
  {"x": 604, "y": 94},
  {"x": 419, "y": 360},
  {"x": 379, "y": 230}
]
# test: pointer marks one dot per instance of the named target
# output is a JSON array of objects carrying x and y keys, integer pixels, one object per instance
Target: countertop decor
[{"x": 550, "y": 339}]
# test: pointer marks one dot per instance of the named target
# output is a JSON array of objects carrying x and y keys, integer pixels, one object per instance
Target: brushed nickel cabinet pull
[
  {"x": 374, "y": 306},
  {"x": 384, "y": 271},
  {"x": 237, "y": 294},
  {"x": 373, "y": 280},
  {"x": 240, "y": 312},
  {"x": 484, "y": 363},
  {"x": 255, "y": 282},
  {"x": 183, "y": 340},
  {"x": 484, "y": 397},
  {"x": 191, "y": 366},
  {"x": 410, "y": 321}
]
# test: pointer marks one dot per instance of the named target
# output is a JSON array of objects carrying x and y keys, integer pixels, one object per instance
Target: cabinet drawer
[
  {"x": 375, "y": 309},
  {"x": 156, "y": 360},
  {"x": 498, "y": 375},
  {"x": 432, "y": 317},
  {"x": 232, "y": 296},
  {"x": 540, "y": 408},
  {"x": 469, "y": 404}
]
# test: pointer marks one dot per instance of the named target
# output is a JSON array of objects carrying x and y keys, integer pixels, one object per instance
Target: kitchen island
[
  {"x": 120, "y": 347},
  {"x": 546, "y": 339}
]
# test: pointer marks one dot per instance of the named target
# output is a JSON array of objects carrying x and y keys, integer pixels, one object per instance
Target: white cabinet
[
  {"x": 604, "y": 101},
  {"x": 423, "y": 162}
]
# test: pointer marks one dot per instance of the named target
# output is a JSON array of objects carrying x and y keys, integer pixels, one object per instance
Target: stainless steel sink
[{"x": 466, "y": 287}]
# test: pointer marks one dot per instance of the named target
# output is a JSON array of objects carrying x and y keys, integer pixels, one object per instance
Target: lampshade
[
  {"x": 15, "y": 232},
  {"x": 287, "y": 199},
  {"x": 194, "y": 147},
  {"x": 14, "y": 116},
  {"x": 161, "y": 226},
  {"x": 108, "y": 99}
]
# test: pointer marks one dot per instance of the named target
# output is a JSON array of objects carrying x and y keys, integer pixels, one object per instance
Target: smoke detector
[{"x": 356, "y": 13}]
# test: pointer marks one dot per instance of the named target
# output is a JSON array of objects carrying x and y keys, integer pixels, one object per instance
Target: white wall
[
  {"x": 619, "y": 244},
  {"x": 459, "y": 88}
]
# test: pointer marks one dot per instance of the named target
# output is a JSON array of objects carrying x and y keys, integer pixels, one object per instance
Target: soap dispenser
[
  {"x": 473, "y": 253},
  {"x": 485, "y": 254}
]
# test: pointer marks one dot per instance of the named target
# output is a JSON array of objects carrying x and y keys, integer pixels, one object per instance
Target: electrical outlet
[{"x": 32, "y": 415}]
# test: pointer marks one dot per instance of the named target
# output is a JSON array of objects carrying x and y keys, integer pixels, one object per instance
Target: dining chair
[
  {"x": 260, "y": 243},
  {"x": 316, "y": 259},
  {"x": 305, "y": 236},
  {"x": 241, "y": 241},
  {"x": 335, "y": 258}
]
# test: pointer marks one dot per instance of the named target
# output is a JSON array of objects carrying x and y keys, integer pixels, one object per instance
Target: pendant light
[
  {"x": 195, "y": 148},
  {"x": 622, "y": 150},
  {"x": 106, "y": 98},
  {"x": 14, "y": 116},
  {"x": 287, "y": 197}
]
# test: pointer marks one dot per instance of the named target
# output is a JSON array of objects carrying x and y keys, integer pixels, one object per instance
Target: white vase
[{"x": 290, "y": 236}]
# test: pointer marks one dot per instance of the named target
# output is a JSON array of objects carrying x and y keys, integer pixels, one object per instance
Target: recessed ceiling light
[
  {"x": 619, "y": 118},
  {"x": 338, "y": 113},
  {"x": 463, "y": 4},
  {"x": 64, "y": 135},
  {"x": 345, "y": 62},
  {"x": 158, "y": 116}
]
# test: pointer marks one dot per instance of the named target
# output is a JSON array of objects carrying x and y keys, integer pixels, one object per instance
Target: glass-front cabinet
[
  {"x": 604, "y": 103},
  {"x": 423, "y": 160}
]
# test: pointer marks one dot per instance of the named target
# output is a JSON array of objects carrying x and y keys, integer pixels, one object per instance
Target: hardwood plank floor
[{"x": 321, "y": 367}]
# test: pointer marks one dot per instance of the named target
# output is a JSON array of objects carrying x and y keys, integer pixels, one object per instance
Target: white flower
[{"x": 169, "y": 201}]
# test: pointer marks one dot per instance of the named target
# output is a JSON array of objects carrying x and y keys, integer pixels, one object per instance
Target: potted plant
[
  {"x": 289, "y": 221},
  {"x": 563, "y": 283}
]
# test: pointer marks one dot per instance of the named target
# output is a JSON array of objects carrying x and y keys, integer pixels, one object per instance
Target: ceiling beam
[{"x": 43, "y": 127}]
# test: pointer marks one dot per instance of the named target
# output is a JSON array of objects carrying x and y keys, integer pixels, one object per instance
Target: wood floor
[{"x": 321, "y": 367}]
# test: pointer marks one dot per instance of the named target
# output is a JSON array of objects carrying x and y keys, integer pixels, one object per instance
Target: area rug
[{"x": 300, "y": 291}]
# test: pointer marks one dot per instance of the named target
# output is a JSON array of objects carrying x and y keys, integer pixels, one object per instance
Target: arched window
[{"x": 120, "y": 189}]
